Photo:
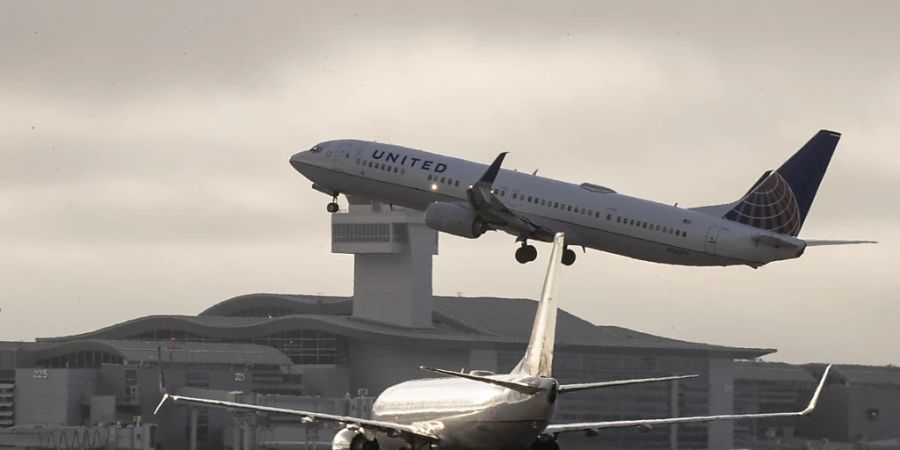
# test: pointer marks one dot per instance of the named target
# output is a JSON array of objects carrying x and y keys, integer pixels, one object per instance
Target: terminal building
[{"x": 336, "y": 354}]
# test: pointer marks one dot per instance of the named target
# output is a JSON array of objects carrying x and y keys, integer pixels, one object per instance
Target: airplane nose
[{"x": 297, "y": 160}]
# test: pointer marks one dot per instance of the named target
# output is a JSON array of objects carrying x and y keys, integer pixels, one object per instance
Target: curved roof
[
  {"x": 457, "y": 321},
  {"x": 297, "y": 304}
]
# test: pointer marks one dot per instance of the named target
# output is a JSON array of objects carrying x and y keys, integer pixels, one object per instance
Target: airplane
[
  {"x": 480, "y": 409},
  {"x": 467, "y": 199}
]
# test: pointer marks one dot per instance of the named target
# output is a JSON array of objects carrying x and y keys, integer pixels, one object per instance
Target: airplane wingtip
[{"x": 817, "y": 393}]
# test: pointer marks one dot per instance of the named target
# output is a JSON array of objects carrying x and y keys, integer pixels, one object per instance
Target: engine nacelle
[
  {"x": 453, "y": 218},
  {"x": 348, "y": 439}
]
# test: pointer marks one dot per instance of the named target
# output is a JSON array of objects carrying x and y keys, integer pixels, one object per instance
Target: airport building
[{"x": 336, "y": 354}]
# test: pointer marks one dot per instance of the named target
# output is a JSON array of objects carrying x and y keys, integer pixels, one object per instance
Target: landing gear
[
  {"x": 333, "y": 206},
  {"x": 544, "y": 442},
  {"x": 526, "y": 253},
  {"x": 568, "y": 257}
]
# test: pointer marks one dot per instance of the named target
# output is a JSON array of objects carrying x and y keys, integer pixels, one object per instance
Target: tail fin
[
  {"x": 780, "y": 201},
  {"x": 538, "y": 359}
]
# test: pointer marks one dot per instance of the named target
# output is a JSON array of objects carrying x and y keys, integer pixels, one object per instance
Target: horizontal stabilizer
[
  {"x": 605, "y": 384},
  {"x": 777, "y": 241},
  {"x": 518, "y": 387},
  {"x": 820, "y": 242}
]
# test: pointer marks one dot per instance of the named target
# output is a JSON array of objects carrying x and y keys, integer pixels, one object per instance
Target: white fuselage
[
  {"x": 468, "y": 414},
  {"x": 589, "y": 215}
]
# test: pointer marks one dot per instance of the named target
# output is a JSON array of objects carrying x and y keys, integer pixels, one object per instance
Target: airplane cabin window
[
  {"x": 443, "y": 180},
  {"x": 429, "y": 177},
  {"x": 514, "y": 195},
  {"x": 569, "y": 207},
  {"x": 609, "y": 217},
  {"x": 618, "y": 219},
  {"x": 456, "y": 183},
  {"x": 529, "y": 199}
]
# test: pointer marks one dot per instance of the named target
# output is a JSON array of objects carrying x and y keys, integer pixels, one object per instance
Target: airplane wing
[
  {"x": 649, "y": 423},
  {"x": 391, "y": 428},
  {"x": 493, "y": 211},
  {"x": 819, "y": 242},
  {"x": 565, "y": 388}
]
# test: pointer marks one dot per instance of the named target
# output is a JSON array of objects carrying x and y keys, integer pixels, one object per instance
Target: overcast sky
[{"x": 144, "y": 151}]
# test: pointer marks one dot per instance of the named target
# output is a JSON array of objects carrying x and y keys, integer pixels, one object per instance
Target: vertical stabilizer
[
  {"x": 780, "y": 200},
  {"x": 538, "y": 359}
]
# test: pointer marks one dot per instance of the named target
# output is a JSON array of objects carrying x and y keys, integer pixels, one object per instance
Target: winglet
[
  {"x": 815, "y": 397},
  {"x": 163, "y": 400},
  {"x": 491, "y": 173}
]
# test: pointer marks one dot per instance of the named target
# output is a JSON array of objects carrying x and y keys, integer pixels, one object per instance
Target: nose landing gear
[{"x": 333, "y": 206}]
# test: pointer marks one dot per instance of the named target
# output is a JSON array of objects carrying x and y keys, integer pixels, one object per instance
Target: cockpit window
[{"x": 316, "y": 149}]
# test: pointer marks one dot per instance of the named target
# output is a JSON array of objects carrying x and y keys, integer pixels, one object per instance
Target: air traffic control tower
[{"x": 392, "y": 251}]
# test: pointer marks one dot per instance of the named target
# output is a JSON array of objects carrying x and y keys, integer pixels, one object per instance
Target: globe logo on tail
[{"x": 771, "y": 206}]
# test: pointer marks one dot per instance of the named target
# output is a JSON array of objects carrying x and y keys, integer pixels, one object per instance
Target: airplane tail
[
  {"x": 779, "y": 201},
  {"x": 538, "y": 359}
]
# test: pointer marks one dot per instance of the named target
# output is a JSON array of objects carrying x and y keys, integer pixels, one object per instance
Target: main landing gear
[
  {"x": 568, "y": 257},
  {"x": 527, "y": 253},
  {"x": 333, "y": 206}
]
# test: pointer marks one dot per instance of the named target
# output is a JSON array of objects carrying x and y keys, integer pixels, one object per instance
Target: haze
[{"x": 144, "y": 151}]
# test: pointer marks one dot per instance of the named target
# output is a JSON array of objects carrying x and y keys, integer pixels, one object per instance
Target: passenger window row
[
  {"x": 650, "y": 226},
  {"x": 380, "y": 166},
  {"x": 556, "y": 205},
  {"x": 443, "y": 180}
]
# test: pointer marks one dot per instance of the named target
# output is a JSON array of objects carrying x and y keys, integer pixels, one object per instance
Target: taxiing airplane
[
  {"x": 479, "y": 409},
  {"x": 467, "y": 199}
]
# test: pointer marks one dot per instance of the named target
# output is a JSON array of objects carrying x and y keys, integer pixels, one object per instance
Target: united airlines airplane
[
  {"x": 467, "y": 199},
  {"x": 479, "y": 409}
]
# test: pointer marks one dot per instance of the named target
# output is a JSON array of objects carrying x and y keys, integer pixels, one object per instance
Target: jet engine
[
  {"x": 454, "y": 218},
  {"x": 348, "y": 439}
]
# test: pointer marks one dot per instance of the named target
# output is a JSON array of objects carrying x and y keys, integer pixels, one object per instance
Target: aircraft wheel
[
  {"x": 526, "y": 254},
  {"x": 522, "y": 255},
  {"x": 568, "y": 257},
  {"x": 332, "y": 207}
]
